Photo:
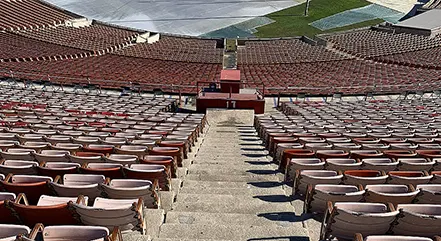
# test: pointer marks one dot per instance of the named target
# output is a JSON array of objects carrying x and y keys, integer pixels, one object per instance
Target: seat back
[
  {"x": 418, "y": 219},
  {"x": 127, "y": 214},
  {"x": 75, "y": 233},
  {"x": 10, "y": 231},
  {"x": 345, "y": 219},
  {"x": 18, "y": 167},
  {"x": 110, "y": 170},
  {"x": 131, "y": 189}
]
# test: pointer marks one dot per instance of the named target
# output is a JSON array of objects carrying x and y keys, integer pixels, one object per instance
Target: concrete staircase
[{"x": 232, "y": 192}]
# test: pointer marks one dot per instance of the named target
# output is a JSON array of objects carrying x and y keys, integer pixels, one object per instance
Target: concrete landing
[{"x": 232, "y": 191}]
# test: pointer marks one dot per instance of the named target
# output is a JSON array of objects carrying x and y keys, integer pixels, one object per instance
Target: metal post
[{"x": 307, "y": 8}]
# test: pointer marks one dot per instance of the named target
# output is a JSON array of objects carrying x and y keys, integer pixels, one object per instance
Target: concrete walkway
[{"x": 232, "y": 192}]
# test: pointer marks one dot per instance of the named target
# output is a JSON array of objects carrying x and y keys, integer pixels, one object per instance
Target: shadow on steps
[
  {"x": 292, "y": 238},
  {"x": 263, "y": 172},
  {"x": 274, "y": 198},
  {"x": 267, "y": 184},
  {"x": 284, "y": 217}
]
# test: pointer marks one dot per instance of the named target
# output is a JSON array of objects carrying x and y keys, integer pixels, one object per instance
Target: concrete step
[
  {"x": 239, "y": 166},
  {"x": 234, "y": 232},
  {"x": 280, "y": 219},
  {"x": 234, "y": 172},
  {"x": 259, "y": 204},
  {"x": 230, "y": 185},
  {"x": 234, "y": 191},
  {"x": 233, "y": 178}
]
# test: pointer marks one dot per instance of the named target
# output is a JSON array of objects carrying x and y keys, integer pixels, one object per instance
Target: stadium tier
[{"x": 65, "y": 48}]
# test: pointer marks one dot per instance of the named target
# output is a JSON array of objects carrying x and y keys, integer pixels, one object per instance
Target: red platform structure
[{"x": 230, "y": 95}]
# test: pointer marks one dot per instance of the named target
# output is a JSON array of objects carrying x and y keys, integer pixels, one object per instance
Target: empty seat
[
  {"x": 175, "y": 152},
  {"x": 313, "y": 177},
  {"x": 133, "y": 188},
  {"x": 18, "y": 154},
  {"x": 52, "y": 156},
  {"x": 364, "y": 177},
  {"x": 289, "y": 154},
  {"x": 167, "y": 161},
  {"x": 54, "y": 169},
  {"x": 317, "y": 197},
  {"x": 96, "y": 148},
  {"x": 70, "y": 147},
  {"x": 362, "y": 154},
  {"x": 9, "y": 232},
  {"x": 110, "y": 170},
  {"x": 302, "y": 164},
  {"x": 151, "y": 173},
  {"x": 35, "y": 145},
  {"x": 86, "y": 157},
  {"x": 418, "y": 219},
  {"x": 49, "y": 210},
  {"x": 344, "y": 219},
  {"x": 381, "y": 164},
  {"x": 342, "y": 164},
  {"x": 124, "y": 159},
  {"x": 18, "y": 167},
  {"x": 390, "y": 193},
  {"x": 74, "y": 184},
  {"x": 324, "y": 154},
  {"x": 32, "y": 186},
  {"x": 429, "y": 193},
  {"x": 72, "y": 232},
  {"x": 415, "y": 164},
  {"x": 409, "y": 177},
  {"x": 127, "y": 214}
]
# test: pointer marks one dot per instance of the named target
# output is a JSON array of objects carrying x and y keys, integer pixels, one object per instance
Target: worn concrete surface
[{"x": 232, "y": 191}]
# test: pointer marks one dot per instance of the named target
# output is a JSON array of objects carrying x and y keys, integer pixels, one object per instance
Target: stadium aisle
[{"x": 232, "y": 192}]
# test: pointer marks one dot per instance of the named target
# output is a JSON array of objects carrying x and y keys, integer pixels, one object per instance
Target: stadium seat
[
  {"x": 32, "y": 186},
  {"x": 18, "y": 167},
  {"x": 429, "y": 193},
  {"x": 133, "y": 188},
  {"x": 364, "y": 177},
  {"x": 72, "y": 232},
  {"x": 418, "y": 219},
  {"x": 9, "y": 232},
  {"x": 304, "y": 178},
  {"x": 110, "y": 170},
  {"x": 151, "y": 173},
  {"x": 390, "y": 193},
  {"x": 127, "y": 214},
  {"x": 302, "y": 164},
  {"x": 48, "y": 210},
  {"x": 54, "y": 169},
  {"x": 344, "y": 219},
  {"x": 71, "y": 184},
  {"x": 317, "y": 197}
]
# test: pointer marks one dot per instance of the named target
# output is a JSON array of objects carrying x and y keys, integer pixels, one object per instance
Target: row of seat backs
[
  {"x": 87, "y": 184},
  {"x": 13, "y": 232},
  {"x": 317, "y": 196},
  {"x": 127, "y": 214},
  {"x": 345, "y": 219}
]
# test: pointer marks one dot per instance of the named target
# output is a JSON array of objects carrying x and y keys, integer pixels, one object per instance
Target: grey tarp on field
[{"x": 188, "y": 17}]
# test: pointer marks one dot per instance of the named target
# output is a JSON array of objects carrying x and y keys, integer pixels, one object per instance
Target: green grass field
[{"x": 292, "y": 22}]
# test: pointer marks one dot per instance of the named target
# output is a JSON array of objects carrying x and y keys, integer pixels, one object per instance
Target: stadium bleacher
[
  {"x": 109, "y": 166},
  {"x": 130, "y": 150},
  {"x": 384, "y": 175}
]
